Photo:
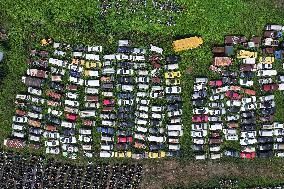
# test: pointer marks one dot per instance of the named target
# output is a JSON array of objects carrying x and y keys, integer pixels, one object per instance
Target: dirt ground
[{"x": 161, "y": 174}]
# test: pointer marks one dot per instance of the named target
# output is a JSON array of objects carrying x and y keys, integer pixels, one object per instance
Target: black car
[
  {"x": 247, "y": 75},
  {"x": 175, "y": 106},
  {"x": 247, "y": 114},
  {"x": 248, "y": 121},
  {"x": 251, "y": 127},
  {"x": 233, "y": 109},
  {"x": 173, "y": 97},
  {"x": 123, "y": 49},
  {"x": 265, "y": 139},
  {"x": 68, "y": 132},
  {"x": 125, "y": 80},
  {"x": 122, "y": 146},
  {"x": 79, "y": 48},
  {"x": 198, "y": 147},
  {"x": 37, "y": 109},
  {"x": 125, "y": 109},
  {"x": 265, "y": 154},
  {"x": 53, "y": 119},
  {"x": 128, "y": 115},
  {"x": 229, "y": 74},
  {"x": 198, "y": 102},
  {"x": 173, "y": 153},
  {"x": 57, "y": 86},
  {"x": 155, "y": 130},
  {"x": 125, "y": 95},
  {"x": 125, "y": 64},
  {"x": 173, "y": 58},
  {"x": 154, "y": 147},
  {"x": 229, "y": 81},
  {"x": 264, "y": 147},
  {"x": 267, "y": 111}
]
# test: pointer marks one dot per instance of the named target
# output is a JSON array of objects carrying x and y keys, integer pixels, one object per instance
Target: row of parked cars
[
  {"x": 29, "y": 171},
  {"x": 235, "y": 112},
  {"x": 118, "y": 95}
]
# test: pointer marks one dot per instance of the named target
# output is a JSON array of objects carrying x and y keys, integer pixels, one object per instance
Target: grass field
[{"x": 79, "y": 22}]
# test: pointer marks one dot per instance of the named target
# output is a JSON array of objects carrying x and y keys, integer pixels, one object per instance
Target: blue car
[
  {"x": 125, "y": 95},
  {"x": 74, "y": 73},
  {"x": 125, "y": 50},
  {"x": 105, "y": 130}
]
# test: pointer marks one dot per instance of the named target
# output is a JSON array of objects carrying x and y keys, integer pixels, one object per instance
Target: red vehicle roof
[
  {"x": 121, "y": 139},
  {"x": 217, "y": 83},
  {"x": 200, "y": 118},
  {"x": 233, "y": 95},
  {"x": 71, "y": 117},
  {"x": 270, "y": 87},
  {"x": 247, "y": 155},
  {"x": 15, "y": 143}
]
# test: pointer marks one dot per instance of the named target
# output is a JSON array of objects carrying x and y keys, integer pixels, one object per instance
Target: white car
[
  {"x": 175, "y": 113},
  {"x": 95, "y": 48},
  {"x": 141, "y": 129},
  {"x": 143, "y": 108},
  {"x": 52, "y": 143},
  {"x": 125, "y": 102},
  {"x": 35, "y": 115},
  {"x": 127, "y": 88},
  {"x": 18, "y": 119},
  {"x": 57, "y": 62},
  {"x": 72, "y": 95},
  {"x": 35, "y": 91},
  {"x": 142, "y": 115},
  {"x": 173, "y": 90},
  {"x": 75, "y": 68},
  {"x": 199, "y": 141},
  {"x": 71, "y": 103},
  {"x": 125, "y": 72},
  {"x": 89, "y": 90},
  {"x": 92, "y": 83},
  {"x": 17, "y": 127},
  {"x": 248, "y": 134},
  {"x": 85, "y": 131},
  {"x": 18, "y": 134},
  {"x": 175, "y": 133},
  {"x": 233, "y": 118},
  {"x": 200, "y": 110},
  {"x": 216, "y": 126},
  {"x": 69, "y": 148},
  {"x": 108, "y": 71},
  {"x": 156, "y": 49},
  {"x": 68, "y": 140},
  {"x": 34, "y": 138},
  {"x": 217, "y": 111},
  {"x": 143, "y": 86},
  {"x": 156, "y": 139},
  {"x": 217, "y": 97},
  {"x": 266, "y": 73},
  {"x": 245, "y": 82},
  {"x": 51, "y": 135},
  {"x": 247, "y": 100},
  {"x": 52, "y": 150},
  {"x": 75, "y": 80},
  {"x": 233, "y": 103},
  {"x": 87, "y": 113},
  {"x": 201, "y": 80},
  {"x": 266, "y": 98},
  {"x": 142, "y": 94},
  {"x": 199, "y": 86},
  {"x": 281, "y": 86},
  {"x": 249, "y": 60},
  {"x": 246, "y": 107},
  {"x": 214, "y": 118},
  {"x": 262, "y": 66},
  {"x": 56, "y": 113},
  {"x": 92, "y": 57},
  {"x": 265, "y": 81},
  {"x": 199, "y": 134},
  {"x": 143, "y": 72},
  {"x": 171, "y": 66}
]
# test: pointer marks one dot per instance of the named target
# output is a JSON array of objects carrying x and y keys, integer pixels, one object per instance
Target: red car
[
  {"x": 124, "y": 139},
  {"x": 72, "y": 87},
  {"x": 71, "y": 117},
  {"x": 270, "y": 87},
  {"x": 233, "y": 95},
  {"x": 87, "y": 122},
  {"x": 249, "y": 92},
  {"x": 247, "y": 155},
  {"x": 199, "y": 118},
  {"x": 217, "y": 83},
  {"x": 108, "y": 102}
]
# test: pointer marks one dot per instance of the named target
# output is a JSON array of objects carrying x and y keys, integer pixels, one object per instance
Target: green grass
[{"x": 78, "y": 22}]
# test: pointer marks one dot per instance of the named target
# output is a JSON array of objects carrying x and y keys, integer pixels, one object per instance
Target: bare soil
[{"x": 161, "y": 174}]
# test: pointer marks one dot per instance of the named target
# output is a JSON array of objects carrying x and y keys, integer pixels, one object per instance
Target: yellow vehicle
[
  {"x": 169, "y": 75},
  {"x": 92, "y": 64},
  {"x": 246, "y": 54},
  {"x": 46, "y": 41},
  {"x": 127, "y": 154},
  {"x": 266, "y": 60},
  {"x": 78, "y": 61},
  {"x": 187, "y": 43},
  {"x": 160, "y": 154},
  {"x": 172, "y": 81}
]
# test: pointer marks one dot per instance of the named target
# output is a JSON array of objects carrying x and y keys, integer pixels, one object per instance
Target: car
[
  {"x": 248, "y": 100},
  {"x": 216, "y": 83},
  {"x": 174, "y": 74},
  {"x": 173, "y": 97},
  {"x": 233, "y": 118},
  {"x": 215, "y": 112},
  {"x": 173, "y": 58},
  {"x": 200, "y": 110},
  {"x": 198, "y": 102},
  {"x": 266, "y": 98},
  {"x": 270, "y": 87},
  {"x": 246, "y": 82},
  {"x": 171, "y": 82},
  {"x": 266, "y": 59},
  {"x": 214, "y": 118},
  {"x": 216, "y": 105},
  {"x": 173, "y": 90},
  {"x": 52, "y": 143},
  {"x": 199, "y": 134},
  {"x": 265, "y": 81},
  {"x": 68, "y": 140},
  {"x": 57, "y": 86},
  {"x": 262, "y": 66},
  {"x": 229, "y": 74},
  {"x": 247, "y": 67},
  {"x": 247, "y": 114},
  {"x": 199, "y": 94},
  {"x": 233, "y": 103},
  {"x": 266, "y": 104},
  {"x": 124, "y": 71},
  {"x": 248, "y": 75},
  {"x": 266, "y": 73},
  {"x": 35, "y": 91},
  {"x": 231, "y": 153},
  {"x": 18, "y": 119},
  {"x": 128, "y": 139},
  {"x": 125, "y": 95},
  {"x": 199, "y": 118},
  {"x": 265, "y": 140},
  {"x": 267, "y": 111},
  {"x": 217, "y": 97},
  {"x": 233, "y": 95},
  {"x": 52, "y": 150},
  {"x": 246, "y": 54}
]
